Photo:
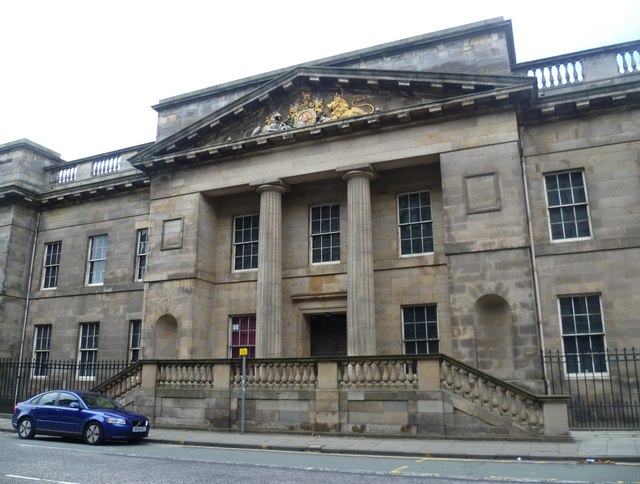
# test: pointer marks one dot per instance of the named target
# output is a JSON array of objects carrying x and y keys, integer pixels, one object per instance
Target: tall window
[
  {"x": 415, "y": 223},
  {"x": 135, "y": 328},
  {"x": 420, "y": 329},
  {"x": 325, "y": 234},
  {"x": 51, "y": 265},
  {"x": 88, "y": 350},
  {"x": 583, "y": 334},
  {"x": 141, "y": 253},
  {"x": 242, "y": 335},
  {"x": 245, "y": 242},
  {"x": 41, "y": 349},
  {"x": 568, "y": 205},
  {"x": 97, "y": 259}
]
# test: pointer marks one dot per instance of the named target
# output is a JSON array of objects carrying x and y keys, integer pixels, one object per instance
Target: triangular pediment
[{"x": 311, "y": 102}]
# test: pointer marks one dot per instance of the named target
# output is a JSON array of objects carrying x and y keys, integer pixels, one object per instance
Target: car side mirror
[{"x": 74, "y": 405}]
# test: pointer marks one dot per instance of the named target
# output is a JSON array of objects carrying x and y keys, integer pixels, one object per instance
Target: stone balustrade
[
  {"x": 276, "y": 374},
  {"x": 421, "y": 395},
  {"x": 186, "y": 373},
  {"x": 503, "y": 400},
  {"x": 125, "y": 382},
  {"x": 586, "y": 66},
  {"x": 378, "y": 373},
  {"x": 113, "y": 165}
]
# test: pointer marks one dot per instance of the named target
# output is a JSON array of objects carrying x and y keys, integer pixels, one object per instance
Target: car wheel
[
  {"x": 93, "y": 433},
  {"x": 26, "y": 430}
]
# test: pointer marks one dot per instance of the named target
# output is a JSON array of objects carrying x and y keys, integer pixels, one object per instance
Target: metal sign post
[{"x": 243, "y": 353}]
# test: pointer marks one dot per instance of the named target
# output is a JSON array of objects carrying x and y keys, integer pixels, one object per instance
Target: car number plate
[{"x": 140, "y": 429}]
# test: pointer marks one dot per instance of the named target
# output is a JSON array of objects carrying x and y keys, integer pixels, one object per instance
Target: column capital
[
  {"x": 271, "y": 186},
  {"x": 364, "y": 171}
]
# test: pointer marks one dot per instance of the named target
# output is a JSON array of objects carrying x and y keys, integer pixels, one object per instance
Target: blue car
[{"x": 91, "y": 416}]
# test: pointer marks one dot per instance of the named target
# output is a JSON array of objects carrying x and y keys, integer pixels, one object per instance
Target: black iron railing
[
  {"x": 20, "y": 380},
  {"x": 606, "y": 395}
]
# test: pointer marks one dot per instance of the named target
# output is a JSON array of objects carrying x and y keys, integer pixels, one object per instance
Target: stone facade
[{"x": 447, "y": 114}]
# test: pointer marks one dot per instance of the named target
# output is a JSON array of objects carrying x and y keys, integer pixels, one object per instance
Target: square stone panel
[
  {"x": 171, "y": 234},
  {"x": 482, "y": 192}
]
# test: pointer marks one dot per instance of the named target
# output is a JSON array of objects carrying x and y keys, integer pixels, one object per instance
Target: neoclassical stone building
[{"x": 427, "y": 195}]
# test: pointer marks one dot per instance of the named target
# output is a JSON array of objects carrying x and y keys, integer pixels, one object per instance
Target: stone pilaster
[
  {"x": 361, "y": 335},
  {"x": 269, "y": 290}
]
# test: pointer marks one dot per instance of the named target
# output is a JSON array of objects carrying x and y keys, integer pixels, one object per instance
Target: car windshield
[{"x": 100, "y": 401}]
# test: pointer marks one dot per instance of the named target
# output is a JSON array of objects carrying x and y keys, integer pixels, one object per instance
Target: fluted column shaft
[
  {"x": 361, "y": 336},
  {"x": 269, "y": 284}
]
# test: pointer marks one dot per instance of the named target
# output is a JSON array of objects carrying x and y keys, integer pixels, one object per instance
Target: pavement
[{"x": 582, "y": 446}]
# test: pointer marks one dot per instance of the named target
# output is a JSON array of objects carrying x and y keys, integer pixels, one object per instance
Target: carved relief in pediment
[{"x": 309, "y": 110}]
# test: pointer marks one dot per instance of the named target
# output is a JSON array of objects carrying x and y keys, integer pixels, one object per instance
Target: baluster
[
  {"x": 485, "y": 393},
  {"x": 285, "y": 375},
  {"x": 366, "y": 372},
  {"x": 555, "y": 76},
  {"x": 540, "y": 76},
  {"x": 360, "y": 372},
  {"x": 475, "y": 385},
  {"x": 514, "y": 405},
  {"x": 191, "y": 375},
  {"x": 466, "y": 387},
  {"x": 562, "y": 73},
  {"x": 305, "y": 374},
  {"x": 535, "y": 417},
  {"x": 524, "y": 412},
  {"x": 258, "y": 374},
  {"x": 504, "y": 401},
  {"x": 298, "y": 377},
  {"x": 495, "y": 402},
  {"x": 410, "y": 377},
  {"x": 277, "y": 373},
  {"x": 402, "y": 378},
  {"x": 375, "y": 372},
  {"x": 344, "y": 373},
  {"x": 446, "y": 376},
  {"x": 579, "y": 71},
  {"x": 312, "y": 374},
  {"x": 547, "y": 76},
  {"x": 457, "y": 381},
  {"x": 385, "y": 372}
]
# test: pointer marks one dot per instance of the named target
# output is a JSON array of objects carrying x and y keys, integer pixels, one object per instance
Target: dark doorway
[{"x": 328, "y": 334}]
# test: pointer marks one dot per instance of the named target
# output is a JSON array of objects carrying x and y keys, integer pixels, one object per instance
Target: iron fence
[
  {"x": 603, "y": 395},
  {"x": 20, "y": 380}
]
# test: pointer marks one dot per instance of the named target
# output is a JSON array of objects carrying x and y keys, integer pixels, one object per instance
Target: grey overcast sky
[{"x": 80, "y": 76}]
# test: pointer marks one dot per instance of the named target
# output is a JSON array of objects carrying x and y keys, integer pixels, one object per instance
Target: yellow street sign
[{"x": 244, "y": 351}]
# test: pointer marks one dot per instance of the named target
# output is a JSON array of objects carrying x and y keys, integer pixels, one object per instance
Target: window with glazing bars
[
  {"x": 135, "y": 332},
  {"x": 568, "y": 205},
  {"x": 141, "y": 253},
  {"x": 41, "y": 349},
  {"x": 583, "y": 334},
  {"x": 245, "y": 242},
  {"x": 325, "y": 234},
  {"x": 51, "y": 265},
  {"x": 415, "y": 223},
  {"x": 97, "y": 259},
  {"x": 88, "y": 350},
  {"x": 420, "y": 329},
  {"x": 242, "y": 335}
]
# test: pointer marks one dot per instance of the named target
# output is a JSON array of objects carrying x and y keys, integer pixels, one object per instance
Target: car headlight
[{"x": 116, "y": 420}]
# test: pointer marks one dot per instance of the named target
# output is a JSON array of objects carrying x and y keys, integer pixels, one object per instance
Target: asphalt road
[{"x": 53, "y": 460}]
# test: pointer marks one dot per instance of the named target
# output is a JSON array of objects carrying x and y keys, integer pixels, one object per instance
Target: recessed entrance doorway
[{"x": 328, "y": 334}]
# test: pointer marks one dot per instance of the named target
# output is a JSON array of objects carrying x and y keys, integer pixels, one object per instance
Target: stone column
[
  {"x": 269, "y": 290},
  {"x": 361, "y": 332}
]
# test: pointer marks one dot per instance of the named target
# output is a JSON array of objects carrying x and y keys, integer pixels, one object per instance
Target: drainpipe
[
  {"x": 26, "y": 304},
  {"x": 534, "y": 266}
]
